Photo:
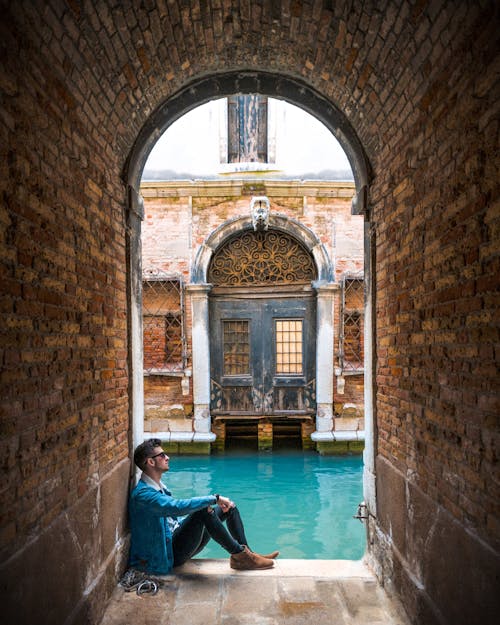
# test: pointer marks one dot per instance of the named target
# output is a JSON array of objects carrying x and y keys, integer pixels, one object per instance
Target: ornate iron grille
[
  {"x": 163, "y": 323},
  {"x": 351, "y": 335},
  {"x": 260, "y": 258}
]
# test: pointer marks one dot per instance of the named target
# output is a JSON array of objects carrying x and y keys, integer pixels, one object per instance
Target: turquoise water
[{"x": 298, "y": 502}]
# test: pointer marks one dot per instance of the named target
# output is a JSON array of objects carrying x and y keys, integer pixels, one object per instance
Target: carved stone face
[{"x": 260, "y": 213}]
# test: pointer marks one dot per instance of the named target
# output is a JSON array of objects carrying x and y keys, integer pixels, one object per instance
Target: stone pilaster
[
  {"x": 135, "y": 217},
  {"x": 324, "y": 355},
  {"x": 201, "y": 355}
]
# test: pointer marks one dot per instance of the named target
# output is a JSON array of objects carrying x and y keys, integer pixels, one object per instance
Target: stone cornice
[{"x": 247, "y": 187}]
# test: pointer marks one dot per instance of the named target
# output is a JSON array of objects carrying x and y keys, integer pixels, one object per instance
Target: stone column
[
  {"x": 324, "y": 355},
  {"x": 201, "y": 355},
  {"x": 369, "y": 475},
  {"x": 135, "y": 216}
]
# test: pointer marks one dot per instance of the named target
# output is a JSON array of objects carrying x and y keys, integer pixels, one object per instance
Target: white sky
[{"x": 191, "y": 144}]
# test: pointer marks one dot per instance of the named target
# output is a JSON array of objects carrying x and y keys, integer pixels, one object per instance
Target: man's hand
[{"x": 225, "y": 503}]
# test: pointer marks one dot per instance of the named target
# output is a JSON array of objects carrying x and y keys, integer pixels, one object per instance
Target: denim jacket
[{"x": 151, "y": 538}]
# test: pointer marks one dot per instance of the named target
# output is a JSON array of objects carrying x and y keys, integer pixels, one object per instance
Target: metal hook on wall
[{"x": 363, "y": 512}]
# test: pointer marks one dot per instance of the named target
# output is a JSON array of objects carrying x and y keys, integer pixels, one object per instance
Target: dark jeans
[{"x": 197, "y": 529}]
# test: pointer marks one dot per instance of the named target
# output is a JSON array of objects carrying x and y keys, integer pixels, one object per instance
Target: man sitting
[{"x": 161, "y": 539}]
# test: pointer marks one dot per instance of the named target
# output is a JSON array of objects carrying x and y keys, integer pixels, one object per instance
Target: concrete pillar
[
  {"x": 324, "y": 355},
  {"x": 201, "y": 355}
]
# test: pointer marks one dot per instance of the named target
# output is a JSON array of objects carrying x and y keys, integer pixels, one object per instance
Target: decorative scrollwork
[{"x": 262, "y": 257}]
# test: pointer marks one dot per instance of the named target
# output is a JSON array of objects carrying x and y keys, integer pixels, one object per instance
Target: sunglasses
[{"x": 162, "y": 454}]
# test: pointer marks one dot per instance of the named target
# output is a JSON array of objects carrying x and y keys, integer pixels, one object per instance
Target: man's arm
[
  {"x": 225, "y": 503},
  {"x": 160, "y": 504}
]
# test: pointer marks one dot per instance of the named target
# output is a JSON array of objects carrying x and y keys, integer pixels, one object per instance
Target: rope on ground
[{"x": 140, "y": 582}]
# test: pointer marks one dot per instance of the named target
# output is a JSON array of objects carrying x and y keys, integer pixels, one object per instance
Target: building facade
[{"x": 277, "y": 308}]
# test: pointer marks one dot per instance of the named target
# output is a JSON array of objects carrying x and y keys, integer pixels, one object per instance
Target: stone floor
[{"x": 294, "y": 592}]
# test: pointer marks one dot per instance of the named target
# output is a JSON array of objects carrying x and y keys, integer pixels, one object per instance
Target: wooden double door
[{"x": 263, "y": 355}]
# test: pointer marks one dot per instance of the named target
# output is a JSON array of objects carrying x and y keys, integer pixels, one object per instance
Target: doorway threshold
[
  {"x": 326, "y": 569},
  {"x": 209, "y": 592}
]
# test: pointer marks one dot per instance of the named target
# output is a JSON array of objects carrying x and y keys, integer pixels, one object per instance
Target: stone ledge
[
  {"x": 344, "y": 436},
  {"x": 325, "y": 569},
  {"x": 184, "y": 437}
]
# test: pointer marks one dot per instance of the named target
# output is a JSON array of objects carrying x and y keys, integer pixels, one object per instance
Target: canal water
[{"x": 298, "y": 502}]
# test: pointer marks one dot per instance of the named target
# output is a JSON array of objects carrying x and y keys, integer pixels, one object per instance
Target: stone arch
[
  {"x": 277, "y": 86},
  {"x": 79, "y": 79},
  {"x": 228, "y": 229},
  {"x": 324, "y": 287},
  {"x": 302, "y": 94}
]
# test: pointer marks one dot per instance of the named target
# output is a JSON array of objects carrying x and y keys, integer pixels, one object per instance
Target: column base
[
  {"x": 324, "y": 418},
  {"x": 202, "y": 420}
]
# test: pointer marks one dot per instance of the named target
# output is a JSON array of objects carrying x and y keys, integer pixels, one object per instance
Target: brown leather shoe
[
  {"x": 269, "y": 556},
  {"x": 247, "y": 561}
]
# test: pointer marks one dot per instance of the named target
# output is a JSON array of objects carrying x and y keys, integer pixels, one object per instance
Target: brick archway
[
  {"x": 277, "y": 86},
  {"x": 188, "y": 97},
  {"x": 279, "y": 222},
  {"x": 86, "y": 86}
]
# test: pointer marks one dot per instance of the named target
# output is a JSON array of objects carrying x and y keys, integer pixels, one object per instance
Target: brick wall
[
  {"x": 417, "y": 82},
  {"x": 63, "y": 325},
  {"x": 179, "y": 217},
  {"x": 436, "y": 274},
  {"x": 435, "y": 211}
]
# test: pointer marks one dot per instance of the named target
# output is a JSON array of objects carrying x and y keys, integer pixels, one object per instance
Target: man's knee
[
  {"x": 232, "y": 512},
  {"x": 204, "y": 513}
]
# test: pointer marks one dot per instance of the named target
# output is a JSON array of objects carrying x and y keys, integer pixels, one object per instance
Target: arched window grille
[{"x": 254, "y": 258}]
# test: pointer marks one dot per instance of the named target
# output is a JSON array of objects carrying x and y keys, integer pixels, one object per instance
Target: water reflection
[{"x": 300, "y": 503}]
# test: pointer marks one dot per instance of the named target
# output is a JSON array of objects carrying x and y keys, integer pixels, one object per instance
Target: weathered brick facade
[
  {"x": 416, "y": 81},
  {"x": 179, "y": 217}
]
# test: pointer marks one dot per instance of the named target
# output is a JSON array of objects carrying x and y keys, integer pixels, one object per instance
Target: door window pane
[
  {"x": 288, "y": 346},
  {"x": 236, "y": 347}
]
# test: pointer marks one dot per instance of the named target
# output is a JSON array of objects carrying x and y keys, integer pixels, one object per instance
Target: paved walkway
[{"x": 294, "y": 592}]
